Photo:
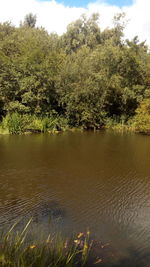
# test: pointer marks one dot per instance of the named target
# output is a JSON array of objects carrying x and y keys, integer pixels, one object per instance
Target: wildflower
[
  {"x": 32, "y": 246},
  {"x": 77, "y": 241},
  {"x": 80, "y": 235}
]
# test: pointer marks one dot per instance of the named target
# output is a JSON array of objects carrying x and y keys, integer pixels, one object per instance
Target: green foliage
[
  {"x": 15, "y": 123},
  {"x": 16, "y": 250},
  {"x": 82, "y": 32},
  {"x": 84, "y": 78},
  {"x": 119, "y": 125},
  {"x": 142, "y": 118},
  {"x": 51, "y": 124}
]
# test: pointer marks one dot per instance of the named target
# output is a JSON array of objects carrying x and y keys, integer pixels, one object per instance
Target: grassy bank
[
  {"x": 16, "y": 249},
  {"x": 25, "y": 124},
  {"x": 131, "y": 126},
  {"x": 120, "y": 126},
  {"x": 19, "y": 124}
]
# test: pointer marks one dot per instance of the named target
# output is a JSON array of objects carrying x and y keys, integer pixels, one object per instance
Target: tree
[
  {"x": 83, "y": 32},
  {"x": 86, "y": 75},
  {"x": 29, "y": 21}
]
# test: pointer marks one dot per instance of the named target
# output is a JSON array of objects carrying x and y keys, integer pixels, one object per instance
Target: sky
[
  {"x": 55, "y": 15},
  {"x": 84, "y": 3}
]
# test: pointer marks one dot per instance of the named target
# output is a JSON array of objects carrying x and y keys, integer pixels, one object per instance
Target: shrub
[
  {"x": 15, "y": 123},
  {"x": 142, "y": 118}
]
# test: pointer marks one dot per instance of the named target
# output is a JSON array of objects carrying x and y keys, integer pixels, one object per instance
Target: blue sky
[{"x": 84, "y": 3}]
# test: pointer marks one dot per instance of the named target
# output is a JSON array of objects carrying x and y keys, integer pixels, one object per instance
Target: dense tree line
[{"x": 87, "y": 75}]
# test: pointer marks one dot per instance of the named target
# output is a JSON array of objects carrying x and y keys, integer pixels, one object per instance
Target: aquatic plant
[
  {"x": 17, "y": 250},
  {"x": 16, "y": 123}
]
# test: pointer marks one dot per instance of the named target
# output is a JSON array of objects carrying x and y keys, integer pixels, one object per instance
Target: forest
[{"x": 87, "y": 78}]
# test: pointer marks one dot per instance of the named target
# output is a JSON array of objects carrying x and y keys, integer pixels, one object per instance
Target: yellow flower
[
  {"x": 85, "y": 246},
  {"x": 33, "y": 246},
  {"x": 80, "y": 235}
]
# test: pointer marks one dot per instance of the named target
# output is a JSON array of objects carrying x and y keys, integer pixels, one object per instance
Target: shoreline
[{"x": 116, "y": 128}]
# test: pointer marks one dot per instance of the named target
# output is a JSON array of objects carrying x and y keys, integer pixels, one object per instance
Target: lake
[{"x": 72, "y": 182}]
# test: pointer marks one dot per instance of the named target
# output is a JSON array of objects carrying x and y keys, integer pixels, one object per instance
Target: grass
[
  {"x": 22, "y": 124},
  {"x": 17, "y": 251},
  {"x": 18, "y": 124},
  {"x": 120, "y": 126},
  {"x": 3, "y": 131}
]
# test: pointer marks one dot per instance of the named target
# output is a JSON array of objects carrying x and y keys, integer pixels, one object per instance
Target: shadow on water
[
  {"x": 51, "y": 213},
  {"x": 49, "y": 210},
  {"x": 133, "y": 260},
  {"x": 47, "y": 217},
  {"x": 108, "y": 257}
]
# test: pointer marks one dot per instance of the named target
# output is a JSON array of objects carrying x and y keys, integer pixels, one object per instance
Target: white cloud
[
  {"x": 55, "y": 16},
  {"x": 139, "y": 17}
]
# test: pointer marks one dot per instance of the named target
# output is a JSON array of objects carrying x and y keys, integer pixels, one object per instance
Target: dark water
[{"x": 77, "y": 181}]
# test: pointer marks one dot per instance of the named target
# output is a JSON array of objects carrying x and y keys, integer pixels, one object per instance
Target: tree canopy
[{"x": 86, "y": 75}]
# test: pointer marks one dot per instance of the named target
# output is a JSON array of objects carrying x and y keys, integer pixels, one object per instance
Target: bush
[
  {"x": 47, "y": 124},
  {"x": 18, "y": 124},
  {"x": 15, "y": 123},
  {"x": 142, "y": 118}
]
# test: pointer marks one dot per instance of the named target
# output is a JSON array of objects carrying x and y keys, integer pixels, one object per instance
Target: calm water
[{"x": 77, "y": 181}]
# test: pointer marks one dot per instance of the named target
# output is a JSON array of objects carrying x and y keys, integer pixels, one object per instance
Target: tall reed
[{"x": 17, "y": 250}]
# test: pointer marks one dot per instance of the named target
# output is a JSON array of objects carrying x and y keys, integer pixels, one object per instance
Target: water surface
[{"x": 78, "y": 181}]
